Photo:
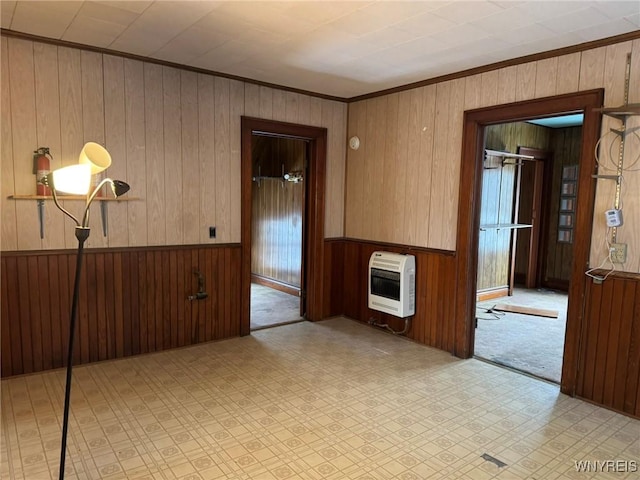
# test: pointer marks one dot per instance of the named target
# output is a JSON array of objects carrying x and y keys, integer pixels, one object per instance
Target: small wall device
[{"x": 613, "y": 217}]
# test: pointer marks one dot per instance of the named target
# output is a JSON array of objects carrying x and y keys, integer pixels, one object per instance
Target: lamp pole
[{"x": 82, "y": 233}]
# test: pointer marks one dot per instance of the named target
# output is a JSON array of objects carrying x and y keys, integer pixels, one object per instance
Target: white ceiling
[{"x": 338, "y": 48}]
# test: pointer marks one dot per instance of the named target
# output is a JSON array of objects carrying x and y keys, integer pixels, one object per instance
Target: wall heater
[{"x": 392, "y": 283}]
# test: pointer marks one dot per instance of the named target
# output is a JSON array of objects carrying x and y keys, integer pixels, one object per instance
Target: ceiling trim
[
  {"x": 603, "y": 42},
  {"x": 106, "y": 51}
]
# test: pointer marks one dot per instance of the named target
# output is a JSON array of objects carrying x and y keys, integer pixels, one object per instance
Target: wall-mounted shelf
[
  {"x": 622, "y": 112},
  {"x": 71, "y": 197},
  {"x": 504, "y": 226}
]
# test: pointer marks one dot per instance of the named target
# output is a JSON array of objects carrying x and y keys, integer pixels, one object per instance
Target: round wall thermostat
[{"x": 354, "y": 143}]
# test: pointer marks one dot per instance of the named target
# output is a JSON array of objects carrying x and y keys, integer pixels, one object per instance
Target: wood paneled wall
[
  {"x": 498, "y": 196},
  {"x": 609, "y": 367},
  {"x": 277, "y": 209},
  {"x": 433, "y": 322},
  {"x": 173, "y": 134},
  {"x": 131, "y": 301},
  {"x": 565, "y": 147},
  {"x": 410, "y": 145}
]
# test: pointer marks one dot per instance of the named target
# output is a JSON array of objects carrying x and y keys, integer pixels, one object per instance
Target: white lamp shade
[
  {"x": 96, "y": 156},
  {"x": 75, "y": 179}
]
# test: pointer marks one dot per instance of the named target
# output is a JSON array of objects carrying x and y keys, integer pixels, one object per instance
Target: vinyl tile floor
[{"x": 331, "y": 400}]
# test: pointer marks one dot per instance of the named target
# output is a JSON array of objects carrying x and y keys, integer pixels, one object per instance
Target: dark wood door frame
[
  {"x": 313, "y": 233},
  {"x": 540, "y": 204},
  {"x": 469, "y": 215}
]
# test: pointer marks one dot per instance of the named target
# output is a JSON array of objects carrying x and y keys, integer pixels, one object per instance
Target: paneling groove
[
  {"x": 609, "y": 365},
  {"x": 131, "y": 301}
]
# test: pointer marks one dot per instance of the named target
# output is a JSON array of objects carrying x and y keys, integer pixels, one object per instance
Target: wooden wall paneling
[
  {"x": 603, "y": 333},
  {"x": 611, "y": 366},
  {"x": 440, "y": 163},
  {"x": 222, "y": 158},
  {"x": 168, "y": 288},
  {"x": 336, "y": 154},
  {"x": 315, "y": 105},
  {"x": 304, "y": 109},
  {"x": 546, "y": 75},
  {"x": 252, "y": 100},
  {"x": 420, "y": 168},
  {"x": 568, "y": 73},
  {"x": 372, "y": 167},
  {"x": 507, "y": 81},
  {"x": 47, "y": 92},
  {"x": 6, "y": 367},
  {"x": 592, "y": 68},
  {"x": 156, "y": 311},
  {"x": 154, "y": 154},
  {"x": 115, "y": 137},
  {"x": 182, "y": 292},
  {"x": 210, "y": 286},
  {"x": 290, "y": 106},
  {"x": 631, "y": 202},
  {"x": 119, "y": 331},
  {"x": 93, "y": 123},
  {"x": 279, "y": 105},
  {"x": 173, "y": 293},
  {"x": 354, "y": 189},
  {"x": 142, "y": 281},
  {"x": 472, "y": 91},
  {"x": 207, "y": 164},
  {"x": 136, "y": 158},
  {"x": 87, "y": 312},
  {"x": 387, "y": 172},
  {"x": 632, "y": 389},
  {"x": 630, "y": 294},
  {"x": 24, "y": 139},
  {"x": 14, "y": 315},
  {"x": 452, "y": 168},
  {"x": 490, "y": 82},
  {"x": 71, "y": 126},
  {"x": 100, "y": 321},
  {"x": 266, "y": 103},
  {"x": 52, "y": 282},
  {"x": 8, "y": 219},
  {"x": 37, "y": 346},
  {"x": 408, "y": 118},
  {"x": 526, "y": 81},
  {"x": 173, "y": 187},
  {"x": 24, "y": 309},
  {"x": 131, "y": 320},
  {"x": 236, "y": 100}
]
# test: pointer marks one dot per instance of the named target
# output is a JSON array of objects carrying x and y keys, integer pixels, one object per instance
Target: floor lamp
[{"x": 76, "y": 179}]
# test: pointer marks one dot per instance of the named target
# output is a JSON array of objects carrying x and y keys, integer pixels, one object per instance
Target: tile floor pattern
[{"x": 328, "y": 400}]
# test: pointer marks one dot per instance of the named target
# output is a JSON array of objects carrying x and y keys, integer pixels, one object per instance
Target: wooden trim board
[{"x": 538, "y": 312}]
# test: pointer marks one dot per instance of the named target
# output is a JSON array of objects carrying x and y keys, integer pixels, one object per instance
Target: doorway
[
  {"x": 311, "y": 289},
  {"x": 525, "y": 243},
  {"x": 277, "y": 220},
  {"x": 475, "y": 123}
]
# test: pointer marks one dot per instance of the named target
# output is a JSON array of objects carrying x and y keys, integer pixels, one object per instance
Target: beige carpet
[
  {"x": 271, "y": 307},
  {"x": 529, "y": 343}
]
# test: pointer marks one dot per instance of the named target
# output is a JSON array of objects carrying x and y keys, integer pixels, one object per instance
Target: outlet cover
[
  {"x": 618, "y": 252},
  {"x": 212, "y": 232}
]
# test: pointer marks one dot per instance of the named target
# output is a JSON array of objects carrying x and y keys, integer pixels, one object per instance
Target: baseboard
[
  {"x": 489, "y": 294},
  {"x": 276, "y": 285}
]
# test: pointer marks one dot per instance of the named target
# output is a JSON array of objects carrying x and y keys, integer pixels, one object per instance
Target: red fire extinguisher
[{"x": 41, "y": 167}]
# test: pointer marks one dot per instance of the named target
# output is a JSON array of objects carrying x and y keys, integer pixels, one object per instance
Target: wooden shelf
[
  {"x": 71, "y": 197},
  {"x": 504, "y": 226},
  {"x": 621, "y": 112}
]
